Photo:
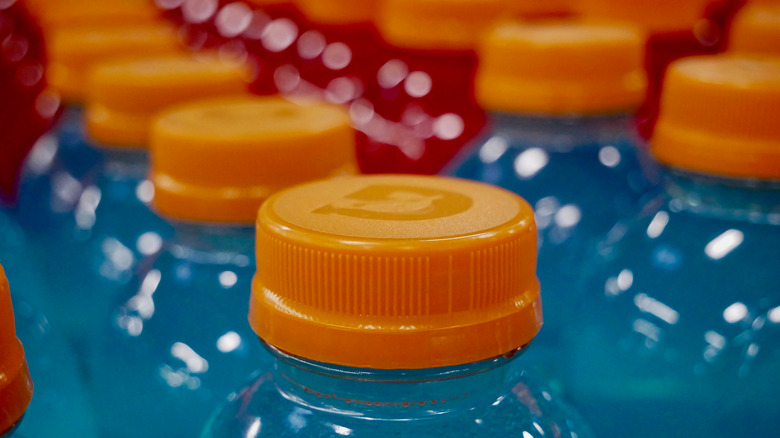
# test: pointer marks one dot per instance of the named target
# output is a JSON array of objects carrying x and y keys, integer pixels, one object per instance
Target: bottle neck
[
  {"x": 130, "y": 164},
  {"x": 734, "y": 198},
  {"x": 214, "y": 243},
  {"x": 564, "y": 132},
  {"x": 394, "y": 394}
]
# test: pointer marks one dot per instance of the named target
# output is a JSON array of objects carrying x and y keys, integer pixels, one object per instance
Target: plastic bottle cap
[
  {"x": 720, "y": 115},
  {"x": 72, "y": 51},
  {"x": 657, "y": 16},
  {"x": 339, "y": 11},
  {"x": 218, "y": 160},
  {"x": 555, "y": 67},
  {"x": 396, "y": 272},
  {"x": 756, "y": 29},
  {"x": 16, "y": 386},
  {"x": 439, "y": 24},
  {"x": 124, "y": 95},
  {"x": 52, "y": 15}
]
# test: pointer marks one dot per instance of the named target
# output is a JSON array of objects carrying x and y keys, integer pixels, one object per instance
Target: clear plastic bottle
[
  {"x": 678, "y": 332},
  {"x": 395, "y": 306},
  {"x": 92, "y": 248},
  {"x": 562, "y": 136},
  {"x": 178, "y": 340},
  {"x": 60, "y": 405}
]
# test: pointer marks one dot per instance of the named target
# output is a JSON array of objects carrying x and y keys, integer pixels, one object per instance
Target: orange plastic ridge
[
  {"x": 562, "y": 67},
  {"x": 217, "y": 160},
  {"x": 15, "y": 383},
  {"x": 124, "y": 95},
  {"x": 719, "y": 115},
  {"x": 756, "y": 30},
  {"x": 396, "y": 272},
  {"x": 339, "y": 11}
]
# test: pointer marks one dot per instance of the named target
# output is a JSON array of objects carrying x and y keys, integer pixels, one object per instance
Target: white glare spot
[
  {"x": 336, "y": 56},
  {"x": 311, "y": 44},
  {"x": 341, "y": 90},
  {"x": 148, "y": 243},
  {"x": 228, "y": 342},
  {"x": 448, "y": 126},
  {"x": 341, "y": 430},
  {"x": 233, "y": 19},
  {"x": 195, "y": 363},
  {"x": 66, "y": 187},
  {"x": 418, "y": 84},
  {"x": 530, "y": 162},
  {"x": 119, "y": 255},
  {"x": 752, "y": 349},
  {"x": 392, "y": 73},
  {"x": 654, "y": 307},
  {"x": 144, "y": 191},
  {"x": 287, "y": 78},
  {"x": 42, "y": 154},
  {"x": 493, "y": 149},
  {"x": 168, "y": 4},
  {"x": 150, "y": 283},
  {"x": 527, "y": 434},
  {"x": 646, "y": 328},
  {"x": 625, "y": 279},
  {"x": 774, "y": 315},
  {"x": 715, "y": 339},
  {"x": 254, "y": 428},
  {"x": 657, "y": 225},
  {"x": 722, "y": 245},
  {"x": 609, "y": 156},
  {"x": 568, "y": 216},
  {"x": 279, "y": 35},
  {"x": 198, "y": 11},
  {"x": 735, "y": 312},
  {"x": 228, "y": 279},
  {"x": 361, "y": 112}
]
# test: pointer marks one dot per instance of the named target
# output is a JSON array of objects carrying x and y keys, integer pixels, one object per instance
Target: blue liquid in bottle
[
  {"x": 60, "y": 405},
  {"x": 363, "y": 300},
  {"x": 178, "y": 340},
  {"x": 678, "y": 330},
  {"x": 92, "y": 249},
  {"x": 563, "y": 145},
  {"x": 178, "y": 344}
]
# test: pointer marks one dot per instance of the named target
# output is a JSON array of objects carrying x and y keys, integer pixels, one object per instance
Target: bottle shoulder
[{"x": 264, "y": 409}]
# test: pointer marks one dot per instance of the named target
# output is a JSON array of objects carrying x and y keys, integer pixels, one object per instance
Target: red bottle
[
  {"x": 340, "y": 52},
  {"x": 26, "y": 108}
]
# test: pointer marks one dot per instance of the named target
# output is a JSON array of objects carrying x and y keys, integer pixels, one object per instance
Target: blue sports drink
[
  {"x": 178, "y": 341},
  {"x": 395, "y": 306},
  {"x": 60, "y": 405},
  {"x": 563, "y": 138},
  {"x": 678, "y": 332},
  {"x": 94, "y": 221}
]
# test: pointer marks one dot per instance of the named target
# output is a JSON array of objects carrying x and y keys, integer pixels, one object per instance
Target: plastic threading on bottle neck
[{"x": 396, "y": 272}]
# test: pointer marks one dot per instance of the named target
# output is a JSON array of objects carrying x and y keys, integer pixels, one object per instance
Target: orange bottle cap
[
  {"x": 396, "y": 272},
  {"x": 756, "y": 30},
  {"x": 656, "y": 16},
  {"x": 72, "y": 51},
  {"x": 561, "y": 67},
  {"x": 15, "y": 383},
  {"x": 439, "y": 24},
  {"x": 53, "y": 15},
  {"x": 124, "y": 95},
  {"x": 339, "y": 11},
  {"x": 218, "y": 160},
  {"x": 719, "y": 115}
]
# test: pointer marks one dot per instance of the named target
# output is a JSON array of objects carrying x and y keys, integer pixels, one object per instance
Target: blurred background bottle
[
  {"x": 562, "y": 96},
  {"x": 92, "y": 228},
  {"x": 178, "y": 341},
  {"x": 678, "y": 331}
]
